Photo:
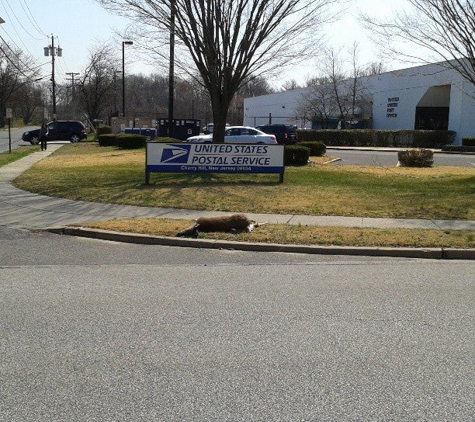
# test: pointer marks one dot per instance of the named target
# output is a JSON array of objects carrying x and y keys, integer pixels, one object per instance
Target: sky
[{"x": 80, "y": 25}]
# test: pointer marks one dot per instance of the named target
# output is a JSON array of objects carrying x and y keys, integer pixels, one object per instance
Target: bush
[
  {"x": 131, "y": 141},
  {"x": 295, "y": 155},
  {"x": 168, "y": 140},
  {"x": 107, "y": 140},
  {"x": 103, "y": 130},
  {"x": 317, "y": 149},
  {"x": 379, "y": 138},
  {"x": 416, "y": 158},
  {"x": 468, "y": 142}
]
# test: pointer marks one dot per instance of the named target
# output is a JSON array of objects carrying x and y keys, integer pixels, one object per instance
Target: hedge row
[
  {"x": 296, "y": 155},
  {"x": 103, "y": 130},
  {"x": 379, "y": 138},
  {"x": 124, "y": 141},
  {"x": 317, "y": 149},
  {"x": 468, "y": 142}
]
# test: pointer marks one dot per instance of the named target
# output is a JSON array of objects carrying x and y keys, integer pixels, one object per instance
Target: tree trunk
[{"x": 220, "y": 116}]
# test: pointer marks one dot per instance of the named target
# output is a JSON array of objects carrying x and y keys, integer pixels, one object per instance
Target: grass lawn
[
  {"x": 17, "y": 153},
  {"x": 304, "y": 235},
  {"x": 88, "y": 172},
  {"x": 105, "y": 174}
]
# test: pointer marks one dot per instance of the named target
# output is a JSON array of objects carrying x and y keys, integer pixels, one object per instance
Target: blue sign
[{"x": 215, "y": 158}]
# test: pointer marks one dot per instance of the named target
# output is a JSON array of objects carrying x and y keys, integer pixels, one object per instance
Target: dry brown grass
[
  {"x": 303, "y": 235},
  {"x": 92, "y": 173}
]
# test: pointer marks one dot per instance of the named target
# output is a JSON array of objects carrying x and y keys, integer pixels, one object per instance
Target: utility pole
[
  {"x": 171, "y": 70},
  {"x": 51, "y": 50},
  {"x": 73, "y": 92}
]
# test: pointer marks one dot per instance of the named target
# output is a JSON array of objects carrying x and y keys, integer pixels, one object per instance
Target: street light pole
[
  {"x": 116, "y": 113},
  {"x": 123, "y": 74}
]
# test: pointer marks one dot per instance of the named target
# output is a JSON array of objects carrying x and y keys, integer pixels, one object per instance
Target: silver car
[{"x": 238, "y": 135}]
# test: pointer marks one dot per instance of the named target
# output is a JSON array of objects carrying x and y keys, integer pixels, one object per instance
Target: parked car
[
  {"x": 59, "y": 130},
  {"x": 238, "y": 135},
  {"x": 285, "y": 134},
  {"x": 210, "y": 127}
]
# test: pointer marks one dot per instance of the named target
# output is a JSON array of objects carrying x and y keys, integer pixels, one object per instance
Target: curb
[{"x": 421, "y": 253}]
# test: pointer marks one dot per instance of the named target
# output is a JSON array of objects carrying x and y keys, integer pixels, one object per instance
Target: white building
[{"x": 428, "y": 97}]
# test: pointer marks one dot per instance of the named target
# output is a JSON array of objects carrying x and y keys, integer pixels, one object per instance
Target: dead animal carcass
[{"x": 235, "y": 223}]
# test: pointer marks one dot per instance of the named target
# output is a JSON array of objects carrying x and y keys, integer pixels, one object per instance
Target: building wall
[
  {"x": 279, "y": 108},
  {"x": 396, "y": 95},
  {"x": 462, "y": 110}
]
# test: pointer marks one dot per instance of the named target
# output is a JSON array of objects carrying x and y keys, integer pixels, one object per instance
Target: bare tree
[
  {"x": 290, "y": 85},
  {"x": 27, "y": 100},
  {"x": 442, "y": 28},
  {"x": 230, "y": 41},
  {"x": 255, "y": 87},
  {"x": 374, "y": 68},
  {"x": 335, "y": 95},
  {"x": 318, "y": 103},
  {"x": 96, "y": 84},
  {"x": 16, "y": 71}
]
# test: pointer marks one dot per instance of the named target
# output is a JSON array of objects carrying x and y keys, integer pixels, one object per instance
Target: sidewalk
[{"x": 21, "y": 209}]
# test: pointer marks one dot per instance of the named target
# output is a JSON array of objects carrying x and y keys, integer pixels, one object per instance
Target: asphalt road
[
  {"x": 15, "y": 136},
  {"x": 348, "y": 157},
  {"x": 389, "y": 158},
  {"x": 103, "y": 331}
]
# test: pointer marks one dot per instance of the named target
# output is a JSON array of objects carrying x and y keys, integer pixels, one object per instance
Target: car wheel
[
  {"x": 75, "y": 139},
  {"x": 34, "y": 140}
]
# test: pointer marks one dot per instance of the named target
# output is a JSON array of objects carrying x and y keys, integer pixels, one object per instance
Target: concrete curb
[{"x": 424, "y": 253}]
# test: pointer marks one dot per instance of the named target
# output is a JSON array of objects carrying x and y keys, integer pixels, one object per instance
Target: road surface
[{"x": 103, "y": 331}]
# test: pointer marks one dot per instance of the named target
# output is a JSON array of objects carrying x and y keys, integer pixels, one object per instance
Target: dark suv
[
  {"x": 59, "y": 130},
  {"x": 285, "y": 134}
]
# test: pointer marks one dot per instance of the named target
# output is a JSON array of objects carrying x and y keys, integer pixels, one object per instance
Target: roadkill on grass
[{"x": 234, "y": 223}]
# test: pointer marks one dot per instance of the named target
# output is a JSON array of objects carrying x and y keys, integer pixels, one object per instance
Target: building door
[
  {"x": 433, "y": 110},
  {"x": 432, "y": 118}
]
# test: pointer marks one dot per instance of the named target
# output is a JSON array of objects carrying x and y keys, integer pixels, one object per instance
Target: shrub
[
  {"x": 296, "y": 155},
  {"x": 131, "y": 141},
  {"x": 468, "y": 142},
  {"x": 379, "y": 138},
  {"x": 416, "y": 158},
  {"x": 103, "y": 130},
  {"x": 167, "y": 139},
  {"x": 107, "y": 140},
  {"x": 317, "y": 149}
]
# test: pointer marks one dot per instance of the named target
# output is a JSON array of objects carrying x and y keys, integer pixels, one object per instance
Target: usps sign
[{"x": 214, "y": 158}]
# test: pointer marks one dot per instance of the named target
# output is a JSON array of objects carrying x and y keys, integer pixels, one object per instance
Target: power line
[
  {"x": 12, "y": 62},
  {"x": 31, "y": 17},
  {"x": 21, "y": 24}
]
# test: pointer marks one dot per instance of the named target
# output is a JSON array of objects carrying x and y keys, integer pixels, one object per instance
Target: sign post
[{"x": 9, "y": 118}]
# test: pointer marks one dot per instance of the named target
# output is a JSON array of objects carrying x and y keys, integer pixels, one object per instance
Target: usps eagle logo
[{"x": 175, "y": 154}]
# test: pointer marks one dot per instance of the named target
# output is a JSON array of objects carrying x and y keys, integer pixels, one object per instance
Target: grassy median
[
  {"x": 91, "y": 173},
  {"x": 17, "y": 153}
]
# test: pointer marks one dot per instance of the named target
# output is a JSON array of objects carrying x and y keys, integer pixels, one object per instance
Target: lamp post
[
  {"x": 123, "y": 74},
  {"x": 116, "y": 113}
]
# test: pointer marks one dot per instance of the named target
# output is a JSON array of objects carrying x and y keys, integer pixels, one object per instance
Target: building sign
[
  {"x": 391, "y": 108},
  {"x": 214, "y": 158}
]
